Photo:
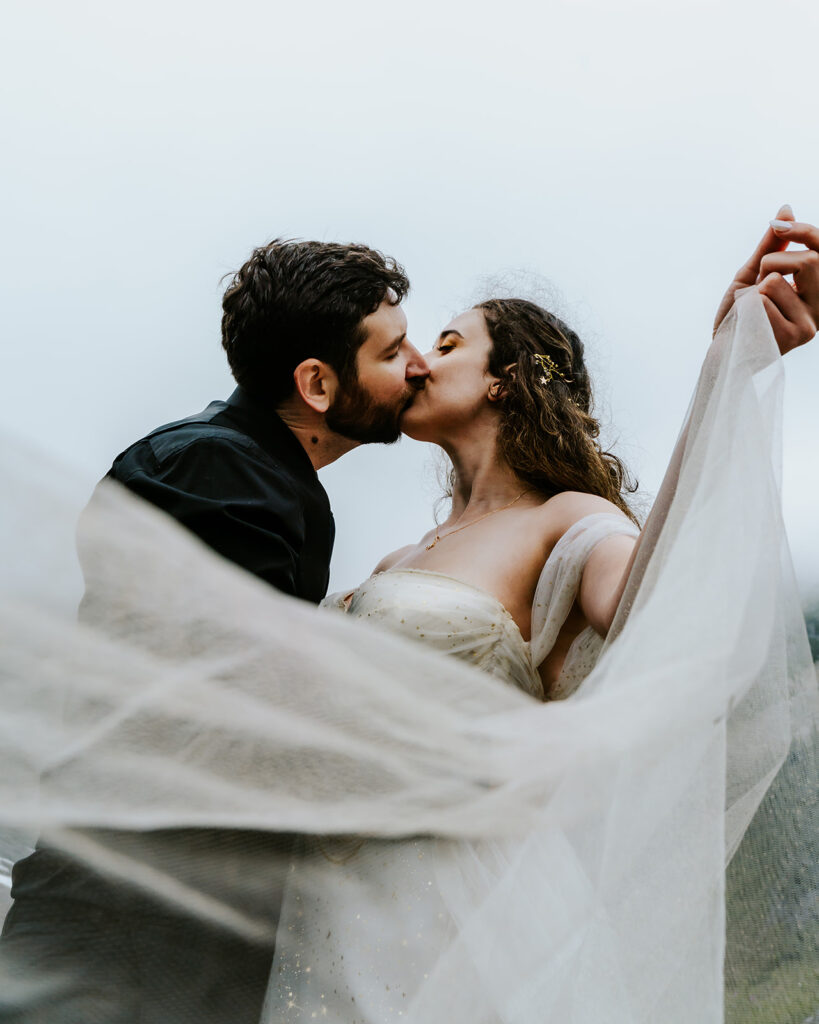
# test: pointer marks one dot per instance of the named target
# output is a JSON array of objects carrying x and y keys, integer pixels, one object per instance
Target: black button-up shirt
[{"x": 239, "y": 478}]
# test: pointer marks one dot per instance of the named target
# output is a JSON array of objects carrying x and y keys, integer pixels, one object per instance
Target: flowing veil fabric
[{"x": 579, "y": 846}]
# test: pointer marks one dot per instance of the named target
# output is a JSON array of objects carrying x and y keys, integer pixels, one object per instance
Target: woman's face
[{"x": 457, "y": 389}]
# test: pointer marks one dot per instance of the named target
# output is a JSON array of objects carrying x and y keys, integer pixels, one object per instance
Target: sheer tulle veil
[{"x": 581, "y": 844}]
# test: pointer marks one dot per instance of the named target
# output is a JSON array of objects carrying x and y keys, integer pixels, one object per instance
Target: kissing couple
[{"x": 525, "y": 579}]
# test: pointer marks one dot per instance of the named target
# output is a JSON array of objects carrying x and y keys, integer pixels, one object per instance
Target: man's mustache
[{"x": 412, "y": 395}]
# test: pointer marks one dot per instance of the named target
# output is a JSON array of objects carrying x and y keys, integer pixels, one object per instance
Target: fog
[{"x": 624, "y": 157}]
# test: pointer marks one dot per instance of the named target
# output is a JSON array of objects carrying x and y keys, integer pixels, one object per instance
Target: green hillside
[{"x": 772, "y": 956}]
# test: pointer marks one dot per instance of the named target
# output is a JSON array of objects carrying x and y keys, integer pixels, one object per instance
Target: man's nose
[{"x": 417, "y": 368}]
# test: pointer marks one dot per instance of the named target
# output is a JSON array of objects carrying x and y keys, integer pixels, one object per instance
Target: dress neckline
[{"x": 469, "y": 586}]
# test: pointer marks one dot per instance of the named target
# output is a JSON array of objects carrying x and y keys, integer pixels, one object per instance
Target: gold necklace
[{"x": 457, "y": 529}]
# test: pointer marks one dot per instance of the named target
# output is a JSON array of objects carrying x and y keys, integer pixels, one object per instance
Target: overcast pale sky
[{"x": 627, "y": 154}]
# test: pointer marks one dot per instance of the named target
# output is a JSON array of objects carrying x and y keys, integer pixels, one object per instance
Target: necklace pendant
[{"x": 429, "y": 547}]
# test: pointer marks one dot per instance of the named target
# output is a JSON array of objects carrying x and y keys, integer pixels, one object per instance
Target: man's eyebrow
[{"x": 394, "y": 344}]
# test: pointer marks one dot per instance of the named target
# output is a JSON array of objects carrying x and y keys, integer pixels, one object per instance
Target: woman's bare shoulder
[
  {"x": 560, "y": 513},
  {"x": 393, "y": 558}
]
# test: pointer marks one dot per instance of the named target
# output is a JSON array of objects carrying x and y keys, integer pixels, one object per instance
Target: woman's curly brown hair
[{"x": 547, "y": 432}]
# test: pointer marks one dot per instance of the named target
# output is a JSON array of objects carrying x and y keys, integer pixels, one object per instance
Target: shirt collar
[{"x": 268, "y": 429}]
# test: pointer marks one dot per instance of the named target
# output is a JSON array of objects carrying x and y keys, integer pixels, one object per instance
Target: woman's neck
[{"x": 483, "y": 480}]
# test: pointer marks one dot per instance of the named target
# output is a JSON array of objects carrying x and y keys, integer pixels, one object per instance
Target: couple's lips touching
[{"x": 414, "y": 393}]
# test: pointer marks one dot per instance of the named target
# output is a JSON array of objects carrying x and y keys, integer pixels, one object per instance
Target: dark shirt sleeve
[{"x": 240, "y": 504}]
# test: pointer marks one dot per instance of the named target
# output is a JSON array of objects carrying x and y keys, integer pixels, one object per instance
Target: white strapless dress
[{"x": 364, "y": 921}]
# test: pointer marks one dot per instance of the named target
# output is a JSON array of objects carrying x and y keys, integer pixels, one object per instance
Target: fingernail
[
  {"x": 781, "y": 225},
  {"x": 786, "y": 208}
]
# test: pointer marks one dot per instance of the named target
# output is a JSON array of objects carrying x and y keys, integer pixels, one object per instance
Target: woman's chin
[{"x": 415, "y": 424}]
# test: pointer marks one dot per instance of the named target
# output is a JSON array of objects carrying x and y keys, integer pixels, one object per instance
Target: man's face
[{"x": 389, "y": 373}]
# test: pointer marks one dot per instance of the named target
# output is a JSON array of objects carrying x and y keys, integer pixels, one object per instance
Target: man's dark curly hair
[{"x": 295, "y": 300}]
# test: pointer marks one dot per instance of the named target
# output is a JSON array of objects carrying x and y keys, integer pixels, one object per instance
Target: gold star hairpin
[{"x": 549, "y": 368}]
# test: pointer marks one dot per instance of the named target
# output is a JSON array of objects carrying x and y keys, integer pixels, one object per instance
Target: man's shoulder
[
  {"x": 194, "y": 459},
  {"x": 202, "y": 432},
  {"x": 211, "y": 456},
  {"x": 174, "y": 438}
]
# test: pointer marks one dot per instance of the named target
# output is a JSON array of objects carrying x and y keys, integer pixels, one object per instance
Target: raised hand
[{"x": 793, "y": 309}]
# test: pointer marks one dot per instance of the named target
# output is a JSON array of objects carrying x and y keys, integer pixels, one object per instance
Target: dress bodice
[
  {"x": 464, "y": 621},
  {"x": 453, "y": 617}
]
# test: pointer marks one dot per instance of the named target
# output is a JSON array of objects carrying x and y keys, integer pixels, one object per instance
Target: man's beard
[{"x": 356, "y": 414}]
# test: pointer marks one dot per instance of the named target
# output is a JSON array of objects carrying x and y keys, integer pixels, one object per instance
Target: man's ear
[{"x": 316, "y": 382}]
